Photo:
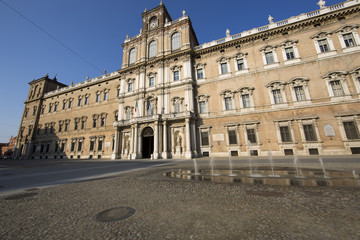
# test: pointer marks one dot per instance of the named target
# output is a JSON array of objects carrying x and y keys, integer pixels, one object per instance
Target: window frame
[{"x": 175, "y": 40}]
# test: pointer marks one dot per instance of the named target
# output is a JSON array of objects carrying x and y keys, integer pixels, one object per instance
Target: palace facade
[{"x": 292, "y": 87}]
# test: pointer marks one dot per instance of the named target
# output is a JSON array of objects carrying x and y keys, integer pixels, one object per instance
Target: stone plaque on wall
[
  {"x": 329, "y": 130},
  {"x": 107, "y": 144},
  {"x": 218, "y": 137}
]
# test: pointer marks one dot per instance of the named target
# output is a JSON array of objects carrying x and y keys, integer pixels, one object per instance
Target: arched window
[
  {"x": 152, "y": 49},
  {"x": 132, "y": 56},
  {"x": 175, "y": 41}
]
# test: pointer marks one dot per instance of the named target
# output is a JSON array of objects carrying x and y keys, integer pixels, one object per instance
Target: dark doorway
[{"x": 147, "y": 142}]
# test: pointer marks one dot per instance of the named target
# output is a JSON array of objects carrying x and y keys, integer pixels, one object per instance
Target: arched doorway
[{"x": 147, "y": 142}]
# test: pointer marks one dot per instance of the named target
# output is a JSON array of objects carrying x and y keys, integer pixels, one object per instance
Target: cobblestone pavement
[{"x": 181, "y": 209}]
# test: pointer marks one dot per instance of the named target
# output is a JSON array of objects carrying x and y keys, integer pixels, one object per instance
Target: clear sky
[{"x": 95, "y": 30}]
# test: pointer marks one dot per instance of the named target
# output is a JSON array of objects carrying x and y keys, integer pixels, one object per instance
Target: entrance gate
[{"x": 147, "y": 142}]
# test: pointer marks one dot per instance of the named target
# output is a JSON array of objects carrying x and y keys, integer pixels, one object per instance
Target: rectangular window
[
  {"x": 269, "y": 57},
  {"x": 34, "y": 111},
  {"x": 176, "y": 75},
  {"x": 94, "y": 122},
  {"x": 289, "y": 53},
  {"x": 64, "y": 105},
  {"x": 79, "y": 102},
  {"x": 48, "y": 147},
  {"x": 228, "y": 105},
  {"x": 128, "y": 114},
  {"x": 202, "y": 107},
  {"x": 46, "y": 130},
  {"x": 232, "y": 137},
  {"x": 351, "y": 130},
  {"x": 240, "y": 64},
  {"x": 60, "y": 127},
  {"x": 309, "y": 132},
  {"x": 118, "y": 93},
  {"x": 277, "y": 96},
  {"x": 55, "y": 107},
  {"x": 79, "y": 146},
  {"x": 323, "y": 45},
  {"x": 100, "y": 145},
  {"x": 336, "y": 88},
  {"x": 50, "y": 107},
  {"x": 66, "y": 127},
  {"x": 56, "y": 147},
  {"x": 42, "y": 148},
  {"x": 42, "y": 110},
  {"x": 349, "y": 40},
  {"x": 70, "y": 104},
  {"x": 72, "y": 146},
  {"x": 151, "y": 81},
  {"x": 224, "y": 68},
  {"x": 245, "y": 98},
  {"x": 102, "y": 123},
  {"x": 177, "y": 107},
  {"x": 97, "y": 97},
  {"x": 130, "y": 87},
  {"x": 92, "y": 144},
  {"x": 285, "y": 134},
  {"x": 76, "y": 125},
  {"x": 106, "y": 95},
  {"x": 86, "y": 100},
  {"x": 200, "y": 73},
  {"x": 62, "y": 147},
  {"x": 204, "y": 139},
  {"x": 251, "y": 135},
  {"x": 82, "y": 124},
  {"x": 299, "y": 93}
]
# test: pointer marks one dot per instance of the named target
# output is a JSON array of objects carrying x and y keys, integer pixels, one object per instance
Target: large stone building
[{"x": 292, "y": 87}]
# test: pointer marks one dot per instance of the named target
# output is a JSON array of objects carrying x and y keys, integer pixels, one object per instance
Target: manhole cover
[
  {"x": 115, "y": 214},
  {"x": 20, "y": 196},
  {"x": 265, "y": 193}
]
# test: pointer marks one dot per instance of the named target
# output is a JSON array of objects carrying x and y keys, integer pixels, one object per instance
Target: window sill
[
  {"x": 302, "y": 103},
  {"x": 272, "y": 65},
  {"x": 351, "y": 49},
  {"x": 243, "y": 71},
  {"x": 292, "y": 61},
  {"x": 340, "y": 98},
  {"x": 225, "y": 75},
  {"x": 327, "y": 54},
  {"x": 279, "y": 105}
]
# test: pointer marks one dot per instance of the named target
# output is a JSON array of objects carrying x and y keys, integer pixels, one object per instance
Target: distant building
[
  {"x": 292, "y": 87},
  {"x": 7, "y": 149}
]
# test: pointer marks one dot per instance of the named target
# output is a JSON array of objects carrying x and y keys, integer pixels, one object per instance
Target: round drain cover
[{"x": 115, "y": 214}]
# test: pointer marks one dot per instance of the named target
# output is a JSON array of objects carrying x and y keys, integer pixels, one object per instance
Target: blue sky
[{"x": 95, "y": 29}]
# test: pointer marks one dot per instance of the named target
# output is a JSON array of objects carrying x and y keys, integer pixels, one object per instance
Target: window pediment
[
  {"x": 227, "y": 93},
  {"x": 299, "y": 81},
  {"x": 288, "y": 43},
  {"x": 246, "y": 90},
  {"x": 223, "y": 59},
  {"x": 203, "y": 97},
  {"x": 321, "y": 35},
  {"x": 267, "y": 48},
  {"x": 335, "y": 75},
  {"x": 356, "y": 71},
  {"x": 348, "y": 28},
  {"x": 276, "y": 85},
  {"x": 176, "y": 67},
  {"x": 240, "y": 55},
  {"x": 200, "y": 65}
]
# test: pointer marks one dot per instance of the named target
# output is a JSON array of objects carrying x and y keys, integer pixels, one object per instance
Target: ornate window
[
  {"x": 83, "y": 122},
  {"x": 66, "y": 124},
  {"x": 205, "y": 137},
  {"x": 349, "y": 37},
  {"x": 251, "y": 131},
  {"x": 228, "y": 100},
  {"x": 224, "y": 65},
  {"x": 246, "y": 98},
  {"x": 106, "y": 94},
  {"x": 79, "y": 101},
  {"x": 277, "y": 93},
  {"x": 176, "y": 72},
  {"x": 97, "y": 99},
  {"x": 130, "y": 85},
  {"x": 177, "y": 103},
  {"x": 269, "y": 56},
  {"x": 355, "y": 74},
  {"x": 299, "y": 90},
  {"x": 34, "y": 110},
  {"x": 151, "y": 105},
  {"x": 76, "y": 123},
  {"x": 349, "y": 127},
  {"x": 240, "y": 62},
  {"x": 290, "y": 51},
  {"x": 337, "y": 86},
  {"x": 323, "y": 44},
  {"x": 95, "y": 120},
  {"x": 64, "y": 104},
  {"x": 152, "y": 49},
  {"x": 203, "y": 103},
  {"x": 56, "y": 106},
  {"x": 151, "y": 79},
  {"x": 232, "y": 132},
  {"x": 132, "y": 56},
  {"x": 70, "y": 103},
  {"x": 128, "y": 112},
  {"x": 50, "y": 107},
  {"x": 175, "y": 41},
  {"x": 86, "y": 100},
  {"x": 200, "y": 71},
  {"x": 103, "y": 119}
]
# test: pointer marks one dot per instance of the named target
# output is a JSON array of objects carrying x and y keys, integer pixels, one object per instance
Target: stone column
[
  {"x": 165, "y": 142},
  {"x": 135, "y": 152},
  {"x": 156, "y": 141},
  {"x": 115, "y": 153},
  {"x": 188, "y": 153},
  {"x": 193, "y": 131}
]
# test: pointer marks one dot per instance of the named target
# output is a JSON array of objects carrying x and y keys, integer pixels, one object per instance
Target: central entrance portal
[{"x": 147, "y": 142}]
